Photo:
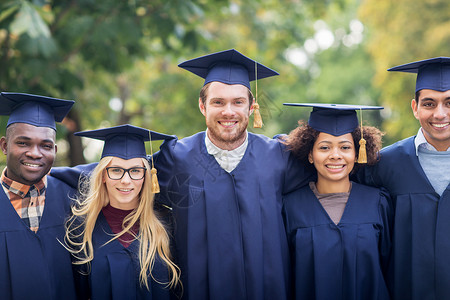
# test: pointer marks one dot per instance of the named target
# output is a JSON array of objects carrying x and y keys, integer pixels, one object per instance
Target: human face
[
  {"x": 333, "y": 158},
  {"x": 30, "y": 152},
  {"x": 226, "y": 112},
  {"x": 124, "y": 193},
  {"x": 432, "y": 109}
]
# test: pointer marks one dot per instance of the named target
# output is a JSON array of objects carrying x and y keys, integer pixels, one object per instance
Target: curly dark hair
[{"x": 301, "y": 141}]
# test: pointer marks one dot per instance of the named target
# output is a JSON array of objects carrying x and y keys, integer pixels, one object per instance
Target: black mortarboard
[
  {"x": 433, "y": 73},
  {"x": 229, "y": 66},
  {"x": 124, "y": 141},
  {"x": 36, "y": 110},
  {"x": 334, "y": 119}
]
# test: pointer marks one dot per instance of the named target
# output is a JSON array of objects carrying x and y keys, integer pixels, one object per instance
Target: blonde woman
[{"x": 115, "y": 234}]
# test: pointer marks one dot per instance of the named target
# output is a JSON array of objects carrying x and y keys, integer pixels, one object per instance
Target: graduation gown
[
  {"x": 35, "y": 265},
  {"x": 344, "y": 261},
  {"x": 421, "y": 261},
  {"x": 228, "y": 227},
  {"x": 115, "y": 269}
]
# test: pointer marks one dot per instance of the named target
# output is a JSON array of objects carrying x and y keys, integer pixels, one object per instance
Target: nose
[
  {"x": 126, "y": 178},
  {"x": 441, "y": 111},
  {"x": 34, "y": 152},
  {"x": 228, "y": 110},
  {"x": 335, "y": 154}
]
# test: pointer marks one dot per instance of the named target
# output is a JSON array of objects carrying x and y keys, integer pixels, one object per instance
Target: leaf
[{"x": 29, "y": 21}]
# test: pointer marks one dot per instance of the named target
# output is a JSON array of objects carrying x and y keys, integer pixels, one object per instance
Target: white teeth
[
  {"x": 335, "y": 167},
  {"x": 124, "y": 190},
  {"x": 227, "y": 123},
  {"x": 440, "y": 125},
  {"x": 31, "y": 165}
]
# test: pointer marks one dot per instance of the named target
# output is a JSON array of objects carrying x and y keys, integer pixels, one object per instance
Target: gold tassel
[
  {"x": 257, "y": 120},
  {"x": 155, "y": 184},
  {"x": 362, "y": 157}
]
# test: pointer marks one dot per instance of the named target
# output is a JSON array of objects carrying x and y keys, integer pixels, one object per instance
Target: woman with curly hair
[
  {"x": 115, "y": 233},
  {"x": 338, "y": 230}
]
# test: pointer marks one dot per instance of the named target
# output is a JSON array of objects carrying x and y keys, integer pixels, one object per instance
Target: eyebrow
[
  {"x": 22, "y": 137},
  {"x": 340, "y": 142}
]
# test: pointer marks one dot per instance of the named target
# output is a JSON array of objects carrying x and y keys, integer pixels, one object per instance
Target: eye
[
  {"x": 21, "y": 143},
  {"x": 136, "y": 171},
  {"x": 428, "y": 104},
  {"x": 324, "y": 148},
  {"x": 346, "y": 147},
  {"x": 48, "y": 146},
  {"x": 116, "y": 170}
]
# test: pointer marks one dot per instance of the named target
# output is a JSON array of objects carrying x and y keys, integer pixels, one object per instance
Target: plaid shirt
[{"x": 28, "y": 201}]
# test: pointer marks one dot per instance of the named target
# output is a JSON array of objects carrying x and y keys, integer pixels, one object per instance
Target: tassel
[
  {"x": 362, "y": 157},
  {"x": 257, "y": 120},
  {"x": 155, "y": 184}
]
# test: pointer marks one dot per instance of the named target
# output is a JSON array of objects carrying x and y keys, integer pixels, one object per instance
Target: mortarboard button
[
  {"x": 433, "y": 73},
  {"x": 35, "y": 110}
]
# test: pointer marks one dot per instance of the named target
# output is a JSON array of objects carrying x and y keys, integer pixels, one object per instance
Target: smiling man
[
  {"x": 225, "y": 187},
  {"x": 416, "y": 173},
  {"x": 33, "y": 207}
]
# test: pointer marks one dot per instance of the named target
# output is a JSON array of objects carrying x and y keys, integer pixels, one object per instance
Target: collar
[
  {"x": 214, "y": 150},
  {"x": 421, "y": 141},
  {"x": 21, "y": 189}
]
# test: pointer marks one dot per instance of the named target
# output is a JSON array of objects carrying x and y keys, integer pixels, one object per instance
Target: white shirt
[{"x": 227, "y": 159}]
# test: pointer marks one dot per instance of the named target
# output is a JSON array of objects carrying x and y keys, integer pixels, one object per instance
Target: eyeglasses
[{"x": 135, "y": 173}]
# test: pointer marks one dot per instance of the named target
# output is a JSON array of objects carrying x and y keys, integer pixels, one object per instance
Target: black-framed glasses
[{"x": 135, "y": 173}]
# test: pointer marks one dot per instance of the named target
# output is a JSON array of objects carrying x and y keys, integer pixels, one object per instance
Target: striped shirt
[{"x": 28, "y": 201}]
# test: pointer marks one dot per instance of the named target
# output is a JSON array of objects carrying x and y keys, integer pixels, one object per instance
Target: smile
[
  {"x": 228, "y": 123},
  {"x": 334, "y": 166},
  {"x": 31, "y": 165},
  {"x": 439, "y": 125},
  {"x": 124, "y": 190}
]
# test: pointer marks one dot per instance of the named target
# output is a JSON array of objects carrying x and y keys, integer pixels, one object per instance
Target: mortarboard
[
  {"x": 36, "y": 110},
  {"x": 337, "y": 119},
  {"x": 433, "y": 73},
  {"x": 230, "y": 67},
  {"x": 127, "y": 142},
  {"x": 124, "y": 141}
]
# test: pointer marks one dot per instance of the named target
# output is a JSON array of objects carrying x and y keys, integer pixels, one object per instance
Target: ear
[
  {"x": 56, "y": 148},
  {"x": 414, "y": 106},
  {"x": 4, "y": 145},
  {"x": 252, "y": 108},
  {"x": 310, "y": 158},
  {"x": 201, "y": 106}
]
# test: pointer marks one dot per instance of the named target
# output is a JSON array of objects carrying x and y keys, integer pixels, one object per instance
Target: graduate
[
  {"x": 114, "y": 231},
  {"x": 338, "y": 230},
  {"x": 225, "y": 186},
  {"x": 415, "y": 172},
  {"x": 33, "y": 206}
]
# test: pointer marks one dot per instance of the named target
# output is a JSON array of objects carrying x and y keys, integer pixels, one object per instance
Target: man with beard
[
  {"x": 33, "y": 206},
  {"x": 225, "y": 187},
  {"x": 416, "y": 173}
]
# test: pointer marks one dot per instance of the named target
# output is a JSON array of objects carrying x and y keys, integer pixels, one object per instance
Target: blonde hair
[{"x": 153, "y": 237}]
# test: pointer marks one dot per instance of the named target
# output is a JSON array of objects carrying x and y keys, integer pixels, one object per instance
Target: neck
[
  {"x": 333, "y": 187},
  {"x": 227, "y": 145}
]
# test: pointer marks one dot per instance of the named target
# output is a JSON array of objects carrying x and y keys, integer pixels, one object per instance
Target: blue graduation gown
[
  {"x": 344, "y": 261},
  {"x": 421, "y": 259},
  {"x": 229, "y": 230},
  {"x": 36, "y": 265},
  {"x": 115, "y": 269}
]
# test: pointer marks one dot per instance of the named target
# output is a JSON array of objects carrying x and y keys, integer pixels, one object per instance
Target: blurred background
[{"x": 118, "y": 59}]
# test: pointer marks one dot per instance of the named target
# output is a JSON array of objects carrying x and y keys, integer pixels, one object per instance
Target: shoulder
[{"x": 399, "y": 148}]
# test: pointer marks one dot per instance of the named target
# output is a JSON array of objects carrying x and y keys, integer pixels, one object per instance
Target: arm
[{"x": 72, "y": 175}]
